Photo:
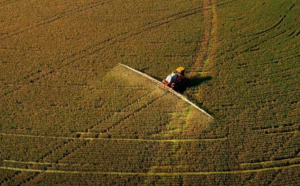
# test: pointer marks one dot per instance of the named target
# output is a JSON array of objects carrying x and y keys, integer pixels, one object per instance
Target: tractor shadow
[
  {"x": 196, "y": 81},
  {"x": 193, "y": 86}
]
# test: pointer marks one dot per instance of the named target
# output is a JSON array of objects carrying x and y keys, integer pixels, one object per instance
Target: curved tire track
[
  {"x": 97, "y": 47},
  {"x": 52, "y": 19},
  {"x": 271, "y": 28}
]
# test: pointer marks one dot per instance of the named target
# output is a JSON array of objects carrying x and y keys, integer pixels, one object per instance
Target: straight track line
[
  {"x": 269, "y": 162},
  {"x": 151, "y": 173},
  {"x": 118, "y": 139}
]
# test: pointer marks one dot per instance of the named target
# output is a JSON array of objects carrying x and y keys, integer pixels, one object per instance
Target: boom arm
[{"x": 168, "y": 88}]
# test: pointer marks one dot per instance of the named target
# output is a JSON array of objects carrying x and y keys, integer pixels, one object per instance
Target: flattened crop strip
[
  {"x": 32, "y": 162},
  {"x": 274, "y": 161},
  {"x": 209, "y": 38},
  {"x": 152, "y": 173},
  {"x": 117, "y": 139},
  {"x": 97, "y": 47}
]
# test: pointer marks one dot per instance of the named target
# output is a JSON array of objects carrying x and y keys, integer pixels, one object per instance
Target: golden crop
[{"x": 70, "y": 115}]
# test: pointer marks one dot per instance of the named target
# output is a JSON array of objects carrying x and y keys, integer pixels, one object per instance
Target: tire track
[
  {"x": 237, "y": 50},
  {"x": 155, "y": 174},
  {"x": 271, "y": 73},
  {"x": 281, "y": 58},
  {"x": 224, "y": 3},
  {"x": 256, "y": 120},
  {"x": 273, "y": 181},
  {"x": 55, "y": 150},
  {"x": 10, "y": 178},
  {"x": 23, "y": 179},
  {"x": 275, "y": 126},
  {"x": 269, "y": 163},
  {"x": 292, "y": 6},
  {"x": 86, "y": 141},
  {"x": 90, "y": 139},
  {"x": 287, "y": 129},
  {"x": 47, "y": 166},
  {"x": 290, "y": 138},
  {"x": 122, "y": 109},
  {"x": 37, "y": 76},
  {"x": 269, "y": 29},
  {"x": 203, "y": 48},
  {"x": 209, "y": 38},
  {"x": 120, "y": 139},
  {"x": 20, "y": 178},
  {"x": 133, "y": 113},
  {"x": 172, "y": 161},
  {"x": 52, "y": 19}
]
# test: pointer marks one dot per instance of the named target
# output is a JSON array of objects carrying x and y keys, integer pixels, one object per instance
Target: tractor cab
[{"x": 176, "y": 80}]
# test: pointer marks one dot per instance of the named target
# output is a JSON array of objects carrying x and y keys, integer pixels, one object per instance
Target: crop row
[
  {"x": 131, "y": 157},
  {"x": 54, "y": 13},
  {"x": 140, "y": 156},
  {"x": 268, "y": 164},
  {"x": 5, "y": 175},
  {"x": 133, "y": 120},
  {"x": 24, "y": 148},
  {"x": 63, "y": 10},
  {"x": 75, "y": 116},
  {"x": 101, "y": 44},
  {"x": 119, "y": 117},
  {"x": 245, "y": 177},
  {"x": 20, "y": 178},
  {"x": 85, "y": 179}
]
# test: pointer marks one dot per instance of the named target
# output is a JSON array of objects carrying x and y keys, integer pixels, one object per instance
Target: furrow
[
  {"x": 271, "y": 28},
  {"x": 10, "y": 178},
  {"x": 286, "y": 142},
  {"x": 153, "y": 174},
  {"x": 273, "y": 181},
  {"x": 120, "y": 139},
  {"x": 20, "y": 178},
  {"x": 51, "y": 19},
  {"x": 49, "y": 166},
  {"x": 101, "y": 45},
  {"x": 135, "y": 112},
  {"x": 122, "y": 109},
  {"x": 55, "y": 150}
]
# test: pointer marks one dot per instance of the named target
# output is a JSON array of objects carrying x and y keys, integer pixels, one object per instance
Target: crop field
[{"x": 70, "y": 115}]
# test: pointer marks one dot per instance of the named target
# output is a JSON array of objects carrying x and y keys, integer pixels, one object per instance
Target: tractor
[{"x": 176, "y": 80}]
